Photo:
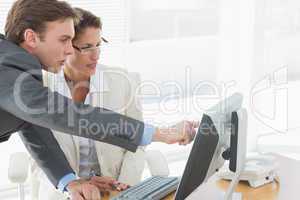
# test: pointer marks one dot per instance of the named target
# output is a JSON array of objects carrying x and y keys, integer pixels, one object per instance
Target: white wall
[{"x": 161, "y": 60}]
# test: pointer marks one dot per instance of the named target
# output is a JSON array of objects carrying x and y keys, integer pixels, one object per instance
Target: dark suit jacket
[{"x": 32, "y": 109}]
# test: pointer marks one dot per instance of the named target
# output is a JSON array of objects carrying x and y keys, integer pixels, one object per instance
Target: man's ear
[{"x": 30, "y": 38}]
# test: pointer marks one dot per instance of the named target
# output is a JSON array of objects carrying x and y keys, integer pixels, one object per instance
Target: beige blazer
[{"x": 115, "y": 89}]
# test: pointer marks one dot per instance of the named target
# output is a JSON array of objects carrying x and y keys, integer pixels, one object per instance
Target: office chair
[{"x": 18, "y": 171}]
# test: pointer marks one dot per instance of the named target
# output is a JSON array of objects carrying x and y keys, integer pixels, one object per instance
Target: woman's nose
[{"x": 95, "y": 55}]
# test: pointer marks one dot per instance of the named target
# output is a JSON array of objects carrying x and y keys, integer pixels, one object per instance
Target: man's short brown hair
[{"x": 33, "y": 14}]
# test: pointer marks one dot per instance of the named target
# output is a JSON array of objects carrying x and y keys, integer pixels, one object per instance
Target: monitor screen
[{"x": 200, "y": 158}]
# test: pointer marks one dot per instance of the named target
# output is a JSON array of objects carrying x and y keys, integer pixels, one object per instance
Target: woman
[{"x": 79, "y": 80}]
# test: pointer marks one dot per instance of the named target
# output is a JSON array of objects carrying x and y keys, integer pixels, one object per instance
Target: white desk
[{"x": 288, "y": 189}]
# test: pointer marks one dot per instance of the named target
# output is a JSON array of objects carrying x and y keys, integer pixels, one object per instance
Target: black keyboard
[{"x": 154, "y": 188}]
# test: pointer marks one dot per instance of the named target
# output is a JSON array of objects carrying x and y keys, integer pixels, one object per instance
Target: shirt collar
[
  {"x": 62, "y": 86},
  {"x": 98, "y": 83}
]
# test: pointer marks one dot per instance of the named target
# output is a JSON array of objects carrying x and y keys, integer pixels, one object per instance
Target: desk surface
[
  {"x": 217, "y": 187},
  {"x": 287, "y": 189}
]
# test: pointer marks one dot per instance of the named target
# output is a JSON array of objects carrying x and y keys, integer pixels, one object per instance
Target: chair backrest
[{"x": 18, "y": 170}]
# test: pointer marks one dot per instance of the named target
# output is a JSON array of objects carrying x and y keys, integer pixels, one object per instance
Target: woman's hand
[
  {"x": 107, "y": 184},
  {"x": 86, "y": 189}
]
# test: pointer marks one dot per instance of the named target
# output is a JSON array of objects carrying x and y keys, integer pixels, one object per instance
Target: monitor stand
[{"x": 236, "y": 154}]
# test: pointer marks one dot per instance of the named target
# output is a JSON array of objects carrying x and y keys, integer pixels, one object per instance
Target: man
[{"x": 38, "y": 35}]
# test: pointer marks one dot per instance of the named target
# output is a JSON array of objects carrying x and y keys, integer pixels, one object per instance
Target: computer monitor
[{"x": 212, "y": 140}]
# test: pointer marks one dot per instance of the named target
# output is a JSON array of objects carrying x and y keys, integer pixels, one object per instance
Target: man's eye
[{"x": 64, "y": 40}]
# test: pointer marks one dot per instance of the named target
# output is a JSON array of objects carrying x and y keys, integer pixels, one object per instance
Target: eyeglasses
[{"x": 89, "y": 50}]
